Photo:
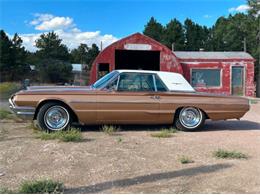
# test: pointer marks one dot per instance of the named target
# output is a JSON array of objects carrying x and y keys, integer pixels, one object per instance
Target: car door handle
[{"x": 156, "y": 97}]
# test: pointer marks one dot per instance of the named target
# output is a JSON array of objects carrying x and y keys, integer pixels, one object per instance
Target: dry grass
[
  {"x": 36, "y": 187},
  {"x": 165, "y": 133},
  {"x": 119, "y": 139},
  {"x": 5, "y": 114},
  {"x": 109, "y": 129},
  {"x": 41, "y": 187},
  {"x": 186, "y": 160},
  {"x": 71, "y": 135},
  {"x": 8, "y": 88},
  {"x": 220, "y": 153}
]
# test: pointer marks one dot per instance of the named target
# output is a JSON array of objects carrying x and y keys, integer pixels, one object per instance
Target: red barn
[{"x": 215, "y": 72}]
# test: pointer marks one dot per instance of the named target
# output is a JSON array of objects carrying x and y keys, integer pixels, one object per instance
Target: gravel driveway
[{"x": 139, "y": 163}]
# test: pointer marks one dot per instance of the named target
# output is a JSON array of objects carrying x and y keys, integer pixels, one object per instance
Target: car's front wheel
[
  {"x": 53, "y": 117},
  {"x": 189, "y": 119}
]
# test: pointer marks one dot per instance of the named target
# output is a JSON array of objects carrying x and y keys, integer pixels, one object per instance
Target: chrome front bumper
[{"x": 23, "y": 112}]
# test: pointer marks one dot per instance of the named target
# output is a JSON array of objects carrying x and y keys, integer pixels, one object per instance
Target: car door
[
  {"x": 168, "y": 101},
  {"x": 129, "y": 99}
]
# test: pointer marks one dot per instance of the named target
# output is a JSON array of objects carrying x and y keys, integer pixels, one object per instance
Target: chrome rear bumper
[{"x": 23, "y": 112}]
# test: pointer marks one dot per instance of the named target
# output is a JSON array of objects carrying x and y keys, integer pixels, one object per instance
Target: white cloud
[
  {"x": 51, "y": 22},
  {"x": 55, "y": 23},
  {"x": 29, "y": 41},
  {"x": 207, "y": 16},
  {"x": 66, "y": 29},
  {"x": 240, "y": 8},
  {"x": 41, "y": 18},
  {"x": 72, "y": 39}
]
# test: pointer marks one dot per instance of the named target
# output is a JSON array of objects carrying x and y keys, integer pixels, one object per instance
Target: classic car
[{"x": 126, "y": 97}]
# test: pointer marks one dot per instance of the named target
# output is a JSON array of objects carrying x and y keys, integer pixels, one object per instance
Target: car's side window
[
  {"x": 112, "y": 85},
  {"x": 159, "y": 84},
  {"x": 136, "y": 82}
]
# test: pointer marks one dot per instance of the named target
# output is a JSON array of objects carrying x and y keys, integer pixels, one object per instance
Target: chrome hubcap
[
  {"x": 56, "y": 118},
  {"x": 190, "y": 117}
]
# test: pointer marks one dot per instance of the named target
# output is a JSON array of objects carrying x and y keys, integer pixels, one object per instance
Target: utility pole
[
  {"x": 173, "y": 44},
  {"x": 101, "y": 46}
]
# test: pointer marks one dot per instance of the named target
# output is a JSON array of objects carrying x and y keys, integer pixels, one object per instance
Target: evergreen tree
[
  {"x": 191, "y": 36},
  {"x": 154, "y": 30},
  {"x": 92, "y": 54},
  {"x": 53, "y": 59},
  {"x": 174, "y": 33},
  {"x": 6, "y": 59},
  {"x": 84, "y": 55},
  {"x": 50, "y": 46},
  {"x": 79, "y": 55},
  {"x": 196, "y": 37},
  {"x": 19, "y": 55}
]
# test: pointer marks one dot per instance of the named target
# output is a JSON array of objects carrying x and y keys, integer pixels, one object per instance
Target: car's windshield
[{"x": 102, "y": 81}]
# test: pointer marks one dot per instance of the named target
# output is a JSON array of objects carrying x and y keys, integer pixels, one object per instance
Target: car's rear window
[{"x": 159, "y": 84}]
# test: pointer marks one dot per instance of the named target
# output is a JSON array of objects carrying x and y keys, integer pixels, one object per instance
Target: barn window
[{"x": 205, "y": 78}]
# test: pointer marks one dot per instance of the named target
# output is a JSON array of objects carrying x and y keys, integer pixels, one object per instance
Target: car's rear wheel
[
  {"x": 53, "y": 117},
  {"x": 189, "y": 119}
]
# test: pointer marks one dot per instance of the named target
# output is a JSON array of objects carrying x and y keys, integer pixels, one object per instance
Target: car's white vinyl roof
[{"x": 173, "y": 81}]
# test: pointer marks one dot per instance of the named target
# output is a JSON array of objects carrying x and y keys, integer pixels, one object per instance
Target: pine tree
[
  {"x": 154, "y": 30},
  {"x": 174, "y": 34},
  {"x": 53, "y": 59}
]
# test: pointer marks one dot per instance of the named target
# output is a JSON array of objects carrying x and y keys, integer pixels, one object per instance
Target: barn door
[
  {"x": 103, "y": 69},
  {"x": 237, "y": 80}
]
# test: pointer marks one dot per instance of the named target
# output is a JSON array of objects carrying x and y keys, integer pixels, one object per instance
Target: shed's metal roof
[{"x": 213, "y": 55}]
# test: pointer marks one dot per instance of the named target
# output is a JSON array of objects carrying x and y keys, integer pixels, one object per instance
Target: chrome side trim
[
  {"x": 82, "y": 102},
  {"x": 24, "y": 112},
  {"x": 127, "y": 102}
]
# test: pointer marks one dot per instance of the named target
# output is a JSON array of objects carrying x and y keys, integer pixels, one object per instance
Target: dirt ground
[{"x": 139, "y": 163}]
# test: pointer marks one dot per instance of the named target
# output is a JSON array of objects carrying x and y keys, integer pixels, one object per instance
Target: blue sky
[{"x": 93, "y": 21}]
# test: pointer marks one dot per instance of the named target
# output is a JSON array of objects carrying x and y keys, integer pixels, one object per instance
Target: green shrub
[
  {"x": 109, "y": 129},
  {"x": 186, "y": 160},
  {"x": 119, "y": 139},
  {"x": 172, "y": 130},
  {"x": 41, "y": 187},
  {"x": 6, "y": 191},
  {"x": 8, "y": 88},
  {"x": 71, "y": 135},
  {"x": 48, "y": 136},
  {"x": 164, "y": 133},
  {"x": 34, "y": 127},
  {"x": 5, "y": 114},
  {"x": 220, "y": 153}
]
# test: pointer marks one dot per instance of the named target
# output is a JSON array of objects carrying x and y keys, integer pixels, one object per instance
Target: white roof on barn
[{"x": 213, "y": 55}]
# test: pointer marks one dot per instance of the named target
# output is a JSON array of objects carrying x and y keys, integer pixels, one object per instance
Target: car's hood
[
  {"x": 56, "y": 89},
  {"x": 70, "y": 87}
]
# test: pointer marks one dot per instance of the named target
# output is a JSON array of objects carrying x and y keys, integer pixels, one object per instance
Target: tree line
[
  {"x": 52, "y": 60},
  {"x": 227, "y": 34}
]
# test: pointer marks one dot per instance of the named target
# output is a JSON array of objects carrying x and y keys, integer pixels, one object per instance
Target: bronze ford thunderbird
[{"x": 126, "y": 97}]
